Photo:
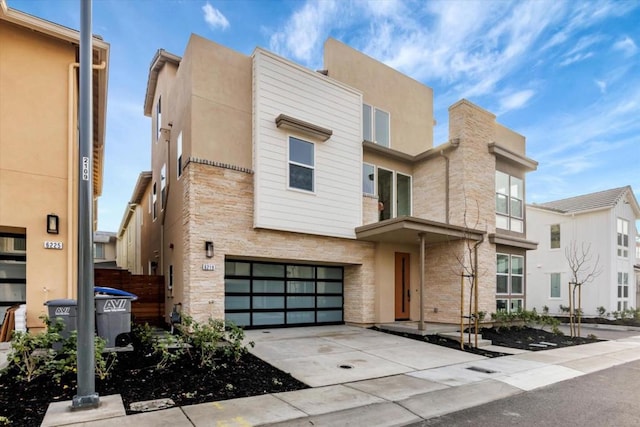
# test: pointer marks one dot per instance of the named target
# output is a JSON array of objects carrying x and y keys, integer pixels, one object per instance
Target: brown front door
[{"x": 403, "y": 290}]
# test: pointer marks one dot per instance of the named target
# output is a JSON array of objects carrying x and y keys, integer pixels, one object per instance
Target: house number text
[{"x": 52, "y": 245}]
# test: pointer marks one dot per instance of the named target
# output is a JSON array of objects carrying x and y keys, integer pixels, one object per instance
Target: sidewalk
[{"x": 391, "y": 400}]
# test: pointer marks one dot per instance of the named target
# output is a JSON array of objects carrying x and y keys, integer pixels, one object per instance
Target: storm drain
[
  {"x": 345, "y": 366},
  {"x": 482, "y": 370}
]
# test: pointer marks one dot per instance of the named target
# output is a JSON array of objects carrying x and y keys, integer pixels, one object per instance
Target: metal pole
[
  {"x": 461, "y": 311},
  {"x": 87, "y": 396},
  {"x": 422, "y": 266}
]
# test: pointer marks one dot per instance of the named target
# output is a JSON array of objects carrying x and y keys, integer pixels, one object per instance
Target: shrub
[{"x": 601, "y": 311}]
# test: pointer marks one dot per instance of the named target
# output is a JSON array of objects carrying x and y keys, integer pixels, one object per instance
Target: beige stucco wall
[
  {"x": 409, "y": 102},
  {"x": 34, "y": 158},
  {"x": 509, "y": 139}
]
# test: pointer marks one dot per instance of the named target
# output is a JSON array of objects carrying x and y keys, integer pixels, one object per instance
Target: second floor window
[
  {"x": 509, "y": 202},
  {"x": 394, "y": 194},
  {"x": 368, "y": 179},
  {"x": 98, "y": 250},
  {"x": 554, "y": 236},
  {"x": 301, "y": 164},
  {"x": 375, "y": 125},
  {"x": 179, "y": 154},
  {"x": 154, "y": 201},
  {"x": 158, "y": 117},
  {"x": 163, "y": 185},
  {"x": 623, "y": 238}
]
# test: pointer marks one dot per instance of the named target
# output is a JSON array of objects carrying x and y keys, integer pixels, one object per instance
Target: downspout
[{"x": 70, "y": 165}]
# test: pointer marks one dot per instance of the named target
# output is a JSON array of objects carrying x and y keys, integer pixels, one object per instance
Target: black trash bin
[
  {"x": 113, "y": 318},
  {"x": 67, "y": 311}
]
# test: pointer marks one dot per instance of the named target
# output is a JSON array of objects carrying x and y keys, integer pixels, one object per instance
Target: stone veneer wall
[
  {"x": 429, "y": 189},
  {"x": 218, "y": 207},
  {"x": 370, "y": 212}
]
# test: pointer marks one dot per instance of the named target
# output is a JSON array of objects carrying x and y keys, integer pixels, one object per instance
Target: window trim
[
  {"x": 311, "y": 167},
  {"x": 395, "y": 178}
]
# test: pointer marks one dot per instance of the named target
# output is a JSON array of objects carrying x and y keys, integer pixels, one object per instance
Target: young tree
[{"x": 583, "y": 270}]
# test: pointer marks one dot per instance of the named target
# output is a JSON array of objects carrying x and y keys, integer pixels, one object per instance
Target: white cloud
[
  {"x": 515, "y": 100},
  {"x": 626, "y": 45},
  {"x": 575, "y": 58},
  {"x": 305, "y": 30},
  {"x": 602, "y": 85},
  {"x": 214, "y": 17}
]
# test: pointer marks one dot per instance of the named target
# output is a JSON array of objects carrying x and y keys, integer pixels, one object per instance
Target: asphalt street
[{"x": 605, "y": 398}]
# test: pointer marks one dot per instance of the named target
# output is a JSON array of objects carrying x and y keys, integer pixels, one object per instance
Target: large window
[
  {"x": 394, "y": 194},
  {"x": 509, "y": 282},
  {"x": 554, "y": 237},
  {"x": 623, "y": 237},
  {"x": 375, "y": 125},
  {"x": 301, "y": 164},
  {"x": 261, "y": 294},
  {"x": 554, "y": 285},
  {"x": 623, "y": 291},
  {"x": 509, "y": 202}
]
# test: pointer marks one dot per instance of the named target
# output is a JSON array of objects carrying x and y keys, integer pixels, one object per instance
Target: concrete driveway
[{"x": 328, "y": 355}]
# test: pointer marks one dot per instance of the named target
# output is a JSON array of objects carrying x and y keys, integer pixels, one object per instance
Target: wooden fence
[{"x": 149, "y": 307}]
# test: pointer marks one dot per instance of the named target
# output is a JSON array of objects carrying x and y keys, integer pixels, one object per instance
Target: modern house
[
  {"x": 604, "y": 225},
  {"x": 133, "y": 234},
  {"x": 104, "y": 249},
  {"x": 39, "y": 158},
  {"x": 282, "y": 196}
]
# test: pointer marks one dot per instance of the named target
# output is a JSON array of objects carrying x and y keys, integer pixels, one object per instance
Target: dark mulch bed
[
  {"x": 522, "y": 337},
  {"x": 135, "y": 378},
  {"x": 514, "y": 337}
]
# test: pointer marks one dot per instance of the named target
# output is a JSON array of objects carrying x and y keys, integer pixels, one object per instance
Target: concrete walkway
[{"x": 363, "y": 377}]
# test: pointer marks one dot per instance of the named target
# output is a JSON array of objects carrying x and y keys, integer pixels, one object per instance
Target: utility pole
[{"x": 87, "y": 396}]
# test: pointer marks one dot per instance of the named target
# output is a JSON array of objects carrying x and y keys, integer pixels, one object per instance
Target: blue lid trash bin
[
  {"x": 113, "y": 316},
  {"x": 67, "y": 311}
]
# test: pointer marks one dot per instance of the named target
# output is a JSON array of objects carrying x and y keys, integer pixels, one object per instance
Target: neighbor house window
[
  {"x": 555, "y": 236},
  {"x": 179, "y": 154},
  {"x": 623, "y": 291},
  {"x": 623, "y": 237},
  {"x": 509, "y": 202},
  {"x": 155, "y": 201},
  {"x": 163, "y": 185},
  {"x": 554, "y": 285},
  {"x": 158, "y": 116},
  {"x": 509, "y": 282},
  {"x": 368, "y": 179},
  {"x": 98, "y": 250},
  {"x": 375, "y": 125},
  {"x": 301, "y": 164}
]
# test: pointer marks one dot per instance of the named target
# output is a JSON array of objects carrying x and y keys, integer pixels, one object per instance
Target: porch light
[
  {"x": 52, "y": 223},
  {"x": 208, "y": 248}
]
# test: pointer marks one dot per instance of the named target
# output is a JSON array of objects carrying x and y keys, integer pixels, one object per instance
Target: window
[
  {"x": 179, "y": 155},
  {"x": 301, "y": 164},
  {"x": 375, "y": 125},
  {"x": 170, "y": 283},
  {"x": 155, "y": 201},
  {"x": 623, "y": 237},
  {"x": 158, "y": 117},
  {"x": 394, "y": 194},
  {"x": 623, "y": 291},
  {"x": 554, "y": 236},
  {"x": 385, "y": 193},
  {"x": 19, "y": 244},
  {"x": 98, "y": 250},
  {"x": 368, "y": 179},
  {"x": 509, "y": 282},
  {"x": 554, "y": 285},
  {"x": 163, "y": 185},
  {"x": 509, "y": 202},
  {"x": 403, "y": 195}
]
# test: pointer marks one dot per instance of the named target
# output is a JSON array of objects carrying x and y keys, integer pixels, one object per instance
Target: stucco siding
[{"x": 334, "y": 207}]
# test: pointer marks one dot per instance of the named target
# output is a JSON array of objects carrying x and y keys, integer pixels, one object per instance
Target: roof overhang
[
  {"x": 138, "y": 193},
  {"x": 372, "y": 147},
  {"x": 510, "y": 156},
  {"x": 407, "y": 230},
  {"x": 502, "y": 239},
  {"x": 160, "y": 58}
]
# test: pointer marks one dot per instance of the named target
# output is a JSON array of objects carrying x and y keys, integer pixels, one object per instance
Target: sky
[{"x": 565, "y": 74}]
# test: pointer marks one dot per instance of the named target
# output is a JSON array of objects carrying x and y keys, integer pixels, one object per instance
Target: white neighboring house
[{"x": 606, "y": 221}]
